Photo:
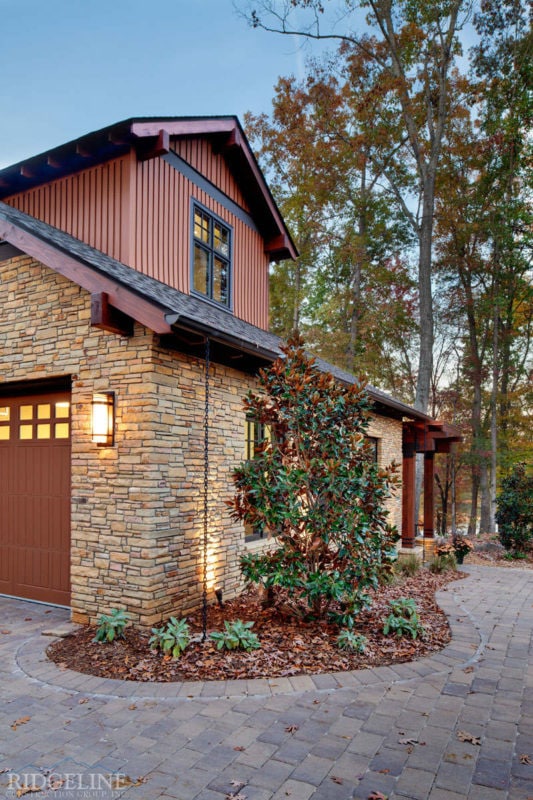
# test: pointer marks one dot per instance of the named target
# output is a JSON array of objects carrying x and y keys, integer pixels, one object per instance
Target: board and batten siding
[
  {"x": 199, "y": 154},
  {"x": 91, "y": 205},
  {"x": 139, "y": 212}
]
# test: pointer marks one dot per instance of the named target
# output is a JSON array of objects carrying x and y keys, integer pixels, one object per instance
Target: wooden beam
[
  {"x": 277, "y": 244},
  {"x": 109, "y": 318},
  {"x": 147, "y": 312},
  {"x": 53, "y": 162},
  {"x": 152, "y": 148},
  {"x": 84, "y": 151}
]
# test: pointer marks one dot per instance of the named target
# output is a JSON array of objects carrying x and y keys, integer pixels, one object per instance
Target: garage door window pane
[
  {"x": 43, "y": 411},
  {"x": 4, "y": 413},
  {"x": 61, "y": 430},
  {"x": 43, "y": 431},
  {"x": 62, "y": 410},
  {"x": 4, "y": 433},
  {"x": 26, "y": 431},
  {"x": 26, "y": 412}
]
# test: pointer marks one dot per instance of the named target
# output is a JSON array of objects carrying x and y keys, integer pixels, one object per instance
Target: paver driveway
[{"x": 333, "y": 737}]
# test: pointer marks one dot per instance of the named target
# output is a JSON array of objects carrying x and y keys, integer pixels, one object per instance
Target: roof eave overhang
[
  {"x": 146, "y": 311},
  {"x": 150, "y": 138},
  {"x": 186, "y": 323}
]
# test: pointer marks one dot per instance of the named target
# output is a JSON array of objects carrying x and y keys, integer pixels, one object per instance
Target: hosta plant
[
  {"x": 349, "y": 640},
  {"x": 403, "y": 619},
  {"x": 111, "y": 626},
  {"x": 314, "y": 485},
  {"x": 172, "y": 638},
  {"x": 236, "y": 635}
]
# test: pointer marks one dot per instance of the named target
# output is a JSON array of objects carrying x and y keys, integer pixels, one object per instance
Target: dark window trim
[
  {"x": 205, "y": 297},
  {"x": 201, "y": 182}
]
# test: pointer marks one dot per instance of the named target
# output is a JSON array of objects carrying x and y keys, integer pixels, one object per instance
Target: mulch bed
[
  {"x": 489, "y": 552},
  {"x": 288, "y": 646}
]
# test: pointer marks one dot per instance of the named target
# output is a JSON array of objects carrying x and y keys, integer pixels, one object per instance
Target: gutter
[
  {"x": 186, "y": 323},
  {"x": 245, "y": 346}
]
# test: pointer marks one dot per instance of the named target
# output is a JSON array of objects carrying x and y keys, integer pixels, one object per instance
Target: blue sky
[{"x": 72, "y": 66}]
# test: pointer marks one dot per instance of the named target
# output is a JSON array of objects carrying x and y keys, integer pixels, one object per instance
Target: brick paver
[{"x": 404, "y": 730}]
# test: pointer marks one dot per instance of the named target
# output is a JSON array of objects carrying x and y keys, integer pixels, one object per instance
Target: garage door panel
[{"x": 35, "y": 499}]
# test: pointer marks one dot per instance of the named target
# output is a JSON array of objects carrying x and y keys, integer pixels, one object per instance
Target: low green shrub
[
  {"x": 349, "y": 640},
  {"x": 111, "y": 626},
  {"x": 236, "y": 636},
  {"x": 172, "y": 638},
  {"x": 442, "y": 563},
  {"x": 407, "y": 565},
  {"x": 514, "y": 513},
  {"x": 403, "y": 619}
]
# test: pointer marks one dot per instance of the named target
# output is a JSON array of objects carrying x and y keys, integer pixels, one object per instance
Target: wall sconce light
[
  {"x": 103, "y": 419},
  {"x": 219, "y": 596}
]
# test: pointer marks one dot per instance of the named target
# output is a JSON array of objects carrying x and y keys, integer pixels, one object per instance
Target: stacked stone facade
[{"x": 137, "y": 508}]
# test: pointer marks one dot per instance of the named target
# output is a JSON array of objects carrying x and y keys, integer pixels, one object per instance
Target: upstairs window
[{"x": 211, "y": 256}]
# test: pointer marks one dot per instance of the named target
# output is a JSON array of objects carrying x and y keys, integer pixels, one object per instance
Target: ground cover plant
[
  {"x": 289, "y": 646},
  {"x": 314, "y": 486}
]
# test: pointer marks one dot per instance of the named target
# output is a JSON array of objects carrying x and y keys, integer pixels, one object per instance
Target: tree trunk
[
  {"x": 472, "y": 523},
  {"x": 484, "y": 517},
  {"x": 425, "y": 363},
  {"x": 493, "y": 420}
]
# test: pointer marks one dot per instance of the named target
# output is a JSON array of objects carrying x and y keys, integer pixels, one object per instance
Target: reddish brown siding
[
  {"x": 89, "y": 205},
  {"x": 139, "y": 213},
  {"x": 199, "y": 154},
  {"x": 162, "y": 242}
]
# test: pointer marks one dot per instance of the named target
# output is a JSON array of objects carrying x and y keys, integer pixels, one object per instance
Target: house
[{"x": 134, "y": 295}]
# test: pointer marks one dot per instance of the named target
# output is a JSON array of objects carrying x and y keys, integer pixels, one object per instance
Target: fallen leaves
[
  {"x": 125, "y": 782},
  {"x": 19, "y": 721},
  {"x": 335, "y": 779},
  {"x": 464, "y": 736},
  {"x": 525, "y": 759},
  {"x": 289, "y": 646},
  {"x": 292, "y": 728},
  {"x": 377, "y": 796}
]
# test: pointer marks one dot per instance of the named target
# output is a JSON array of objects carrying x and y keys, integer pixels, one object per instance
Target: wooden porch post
[
  {"x": 408, "y": 490},
  {"x": 429, "y": 498}
]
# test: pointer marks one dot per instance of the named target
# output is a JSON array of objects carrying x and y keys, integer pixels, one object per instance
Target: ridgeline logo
[{"x": 65, "y": 781}]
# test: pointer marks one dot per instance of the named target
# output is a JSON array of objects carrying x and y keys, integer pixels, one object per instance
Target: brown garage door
[{"x": 35, "y": 497}]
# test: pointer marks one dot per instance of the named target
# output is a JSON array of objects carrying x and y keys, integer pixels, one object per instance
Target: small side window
[
  {"x": 373, "y": 441},
  {"x": 255, "y": 434}
]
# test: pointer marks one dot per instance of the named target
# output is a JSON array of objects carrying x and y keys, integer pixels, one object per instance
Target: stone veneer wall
[
  {"x": 137, "y": 508},
  {"x": 137, "y": 521},
  {"x": 388, "y": 431}
]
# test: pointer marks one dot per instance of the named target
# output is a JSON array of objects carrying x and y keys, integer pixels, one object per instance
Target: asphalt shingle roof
[{"x": 177, "y": 306}]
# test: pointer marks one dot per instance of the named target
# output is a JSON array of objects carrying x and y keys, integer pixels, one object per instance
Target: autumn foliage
[{"x": 314, "y": 486}]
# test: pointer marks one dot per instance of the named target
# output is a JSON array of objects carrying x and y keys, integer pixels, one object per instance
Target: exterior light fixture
[
  {"x": 103, "y": 419},
  {"x": 219, "y": 596}
]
